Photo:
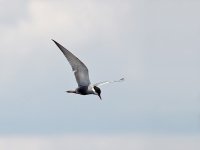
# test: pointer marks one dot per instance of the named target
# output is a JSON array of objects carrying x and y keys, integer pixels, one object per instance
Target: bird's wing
[
  {"x": 79, "y": 68},
  {"x": 106, "y": 82}
]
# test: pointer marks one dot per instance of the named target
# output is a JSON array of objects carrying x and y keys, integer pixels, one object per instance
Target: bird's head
[{"x": 97, "y": 91}]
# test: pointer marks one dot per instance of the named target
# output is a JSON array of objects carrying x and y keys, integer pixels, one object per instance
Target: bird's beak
[{"x": 99, "y": 96}]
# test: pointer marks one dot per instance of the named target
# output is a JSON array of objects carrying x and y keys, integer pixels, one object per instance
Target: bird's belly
[{"x": 83, "y": 90}]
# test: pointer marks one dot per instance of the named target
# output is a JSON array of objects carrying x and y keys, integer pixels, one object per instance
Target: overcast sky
[{"x": 153, "y": 44}]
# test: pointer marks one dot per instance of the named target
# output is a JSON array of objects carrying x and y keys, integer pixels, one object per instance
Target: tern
[{"x": 82, "y": 75}]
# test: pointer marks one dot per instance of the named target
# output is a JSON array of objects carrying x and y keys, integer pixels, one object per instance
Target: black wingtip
[
  {"x": 53, "y": 40},
  {"x": 56, "y": 43},
  {"x": 122, "y": 79}
]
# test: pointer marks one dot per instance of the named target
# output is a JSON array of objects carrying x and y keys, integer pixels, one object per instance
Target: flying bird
[{"x": 82, "y": 75}]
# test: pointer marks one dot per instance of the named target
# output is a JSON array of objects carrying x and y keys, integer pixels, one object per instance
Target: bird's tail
[{"x": 71, "y": 91}]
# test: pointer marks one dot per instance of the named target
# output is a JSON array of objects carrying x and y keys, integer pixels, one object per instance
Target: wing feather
[
  {"x": 80, "y": 70},
  {"x": 106, "y": 82}
]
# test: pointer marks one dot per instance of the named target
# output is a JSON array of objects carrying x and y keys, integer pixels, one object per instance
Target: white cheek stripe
[{"x": 94, "y": 91}]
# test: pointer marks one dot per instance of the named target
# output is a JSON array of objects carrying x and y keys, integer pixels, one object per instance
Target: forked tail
[{"x": 70, "y": 91}]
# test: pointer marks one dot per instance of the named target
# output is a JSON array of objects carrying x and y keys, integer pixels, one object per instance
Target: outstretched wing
[
  {"x": 80, "y": 70},
  {"x": 106, "y": 82}
]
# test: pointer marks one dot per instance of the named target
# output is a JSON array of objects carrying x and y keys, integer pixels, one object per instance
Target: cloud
[
  {"x": 74, "y": 22},
  {"x": 106, "y": 142},
  {"x": 154, "y": 49},
  {"x": 11, "y": 12}
]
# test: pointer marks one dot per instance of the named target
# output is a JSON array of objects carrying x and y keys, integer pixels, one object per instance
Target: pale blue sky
[{"x": 153, "y": 44}]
